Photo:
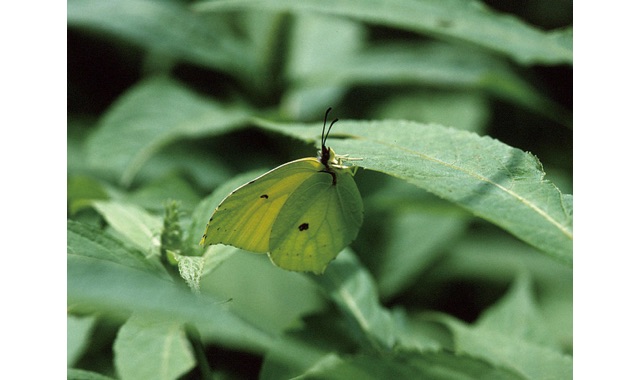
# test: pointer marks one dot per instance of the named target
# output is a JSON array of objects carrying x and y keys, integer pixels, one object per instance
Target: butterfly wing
[
  {"x": 317, "y": 221},
  {"x": 245, "y": 217}
]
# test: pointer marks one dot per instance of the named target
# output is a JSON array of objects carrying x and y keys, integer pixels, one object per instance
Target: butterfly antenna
[
  {"x": 329, "y": 130},
  {"x": 323, "y": 138}
]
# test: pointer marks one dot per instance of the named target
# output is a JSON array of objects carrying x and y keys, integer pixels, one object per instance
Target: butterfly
[{"x": 302, "y": 213}]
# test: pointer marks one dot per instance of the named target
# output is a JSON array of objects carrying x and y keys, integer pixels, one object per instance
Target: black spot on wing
[
  {"x": 303, "y": 227},
  {"x": 264, "y": 196}
]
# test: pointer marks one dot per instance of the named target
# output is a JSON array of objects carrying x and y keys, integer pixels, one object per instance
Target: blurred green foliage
[{"x": 462, "y": 268}]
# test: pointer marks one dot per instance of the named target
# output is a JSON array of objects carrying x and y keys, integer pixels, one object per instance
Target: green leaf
[
  {"x": 399, "y": 215},
  {"x": 408, "y": 253},
  {"x": 319, "y": 334},
  {"x": 407, "y": 365},
  {"x": 325, "y": 333},
  {"x": 464, "y": 20},
  {"x": 484, "y": 259},
  {"x": 78, "y": 335},
  {"x": 353, "y": 290},
  {"x": 512, "y": 335},
  {"x": 418, "y": 334},
  {"x": 533, "y": 361},
  {"x": 261, "y": 293},
  {"x": 81, "y": 190},
  {"x": 80, "y": 374},
  {"x": 516, "y": 315},
  {"x": 494, "y": 181},
  {"x": 151, "y": 115},
  {"x": 436, "y": 65},
  {"x": 133, "y": 223},
  {"x": 89, "y": 241},
  {"x": 317, "y": 42},
  {"x": 152, "y": 196},
  {"x": 165, "y": 27},
  {"x": 77, "y": 130},
  {"x": 192, "y": 160},
  {"x": 460, "y": 109},
  {"x": 116, "y": 291},
  {"x": 148, "y": 348}
]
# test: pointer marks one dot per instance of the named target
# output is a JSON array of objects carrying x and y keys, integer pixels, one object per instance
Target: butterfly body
[{"x": 302, "y": 213}]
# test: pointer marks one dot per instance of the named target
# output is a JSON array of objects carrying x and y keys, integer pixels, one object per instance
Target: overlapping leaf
[
  {"x": 147, "y": 118},
  {"x": 512, "y": 334},
  {"x": 465, "y": 20},
  {"x": 148, "y": 348},
  {"x": 116, "y": 290},
  {"x": 164, "y": 27}
]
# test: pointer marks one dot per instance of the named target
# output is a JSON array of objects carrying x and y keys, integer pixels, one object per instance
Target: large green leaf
[
  {"x": 86, "y": 240},
  {"x": 273, "y": 299},
  {"x": 104, "y": 276},
  {"x": 437, "y": 65},
  {"x": 149, "y": 348},
  {"x": 408, "y": 253},
  {"x": 133, "y": 223},
  {"x": 317, "y": 42},
  {"x": 115, "y": 290},
  {"x": 78, "y": 336},
  {"x": 468, "y": 110},
  {"x": 517, "y": 315},
  {"x": 465, "y": 20},
  {"x": 407, "y": 365},
  {"x": 165, "y": 27},
  {"x": 499, "y": 183},
  {"x": 154, "y": 195},
  {"x": 151, "y": 115},
  {"x": 352, "y": 288},
  {"x": 512, "y": 334},
  {"x": 80, "y": 374},
  {"x": 484, "y": 259}
]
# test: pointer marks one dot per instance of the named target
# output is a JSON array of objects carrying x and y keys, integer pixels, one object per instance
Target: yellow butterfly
[{"x": 302, "y": 213}]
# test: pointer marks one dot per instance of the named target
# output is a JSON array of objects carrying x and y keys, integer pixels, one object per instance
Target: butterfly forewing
[{"x": 245, "y": 217}]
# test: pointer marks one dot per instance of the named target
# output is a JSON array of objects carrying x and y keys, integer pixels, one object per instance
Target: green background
[{"x": 462, "y": 114}]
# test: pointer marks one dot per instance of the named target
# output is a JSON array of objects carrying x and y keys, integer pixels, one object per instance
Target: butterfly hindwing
[{"x": 317, "y": 222}]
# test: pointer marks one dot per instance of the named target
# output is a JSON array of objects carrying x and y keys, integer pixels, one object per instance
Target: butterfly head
[{"x": 326, "y": 155}]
